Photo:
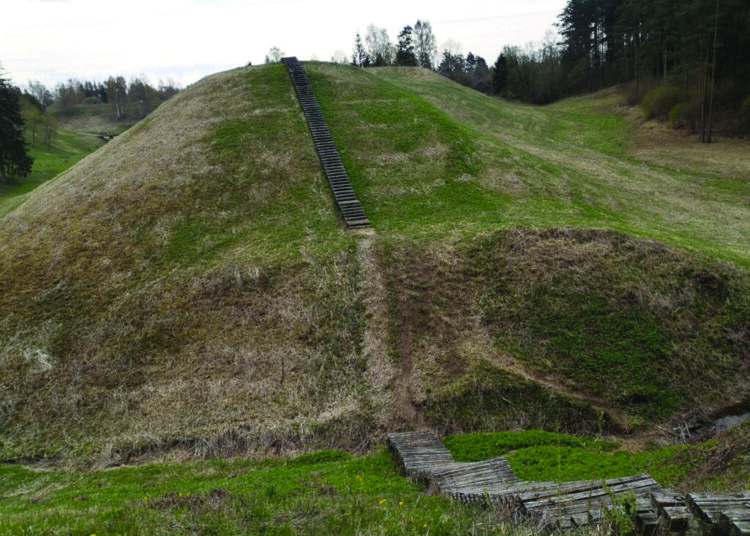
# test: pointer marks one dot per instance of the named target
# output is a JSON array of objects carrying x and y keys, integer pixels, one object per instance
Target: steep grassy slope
[
  {"x": 190, "y": 287},
  {"x": 187, "y": 279}
]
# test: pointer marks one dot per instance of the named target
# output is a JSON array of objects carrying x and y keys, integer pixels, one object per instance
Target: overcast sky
[{"x": 185, "y": 40}]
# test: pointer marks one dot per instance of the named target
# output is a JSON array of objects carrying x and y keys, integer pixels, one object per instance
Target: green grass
[
  {"x": 630, "y": 321},
  {"x": 478, "y": 447},
  {"x": 325, "y": 493},
  {"x": 575, "y": 164},
  {"x": 239, "y": 235},
  {"x": 66, "y": 149},
  {"x": 266, "y": 198},
  {"x": 549, "y": 457},
  {"x": 645, "y": 329},
  {"x": 411, "y": 163},
  {"x": 331, "y": 491}
]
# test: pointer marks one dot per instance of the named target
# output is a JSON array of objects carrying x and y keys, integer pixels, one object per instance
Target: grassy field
[
  {"x": 332, "y": 491},
  {"x": 190, "y": 287},
  {"x": 76, "y": 137},
  {"x": 323, "y": 493},
  {"x": 67, "y": 148},
  {"x": 717, "y": 464}
]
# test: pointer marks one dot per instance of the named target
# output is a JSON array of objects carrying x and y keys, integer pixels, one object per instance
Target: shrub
[
  {"x": 675, "y": 116},
  {"x": 745, "y": 115},
  {"x": 660, "y": 101},
  {"x": 634, "y": 93}
]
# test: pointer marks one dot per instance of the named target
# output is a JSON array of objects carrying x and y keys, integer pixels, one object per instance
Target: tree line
[
  {"x": 137, "y": 94},
  {"x": 685, "y": 61},
  {"x": 416, "y": 46},
  {"x": 13, "y": 158},
  {"x": 27, "y": 114}
]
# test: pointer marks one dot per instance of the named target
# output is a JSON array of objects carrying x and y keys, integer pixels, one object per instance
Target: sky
[{"x": 185, "y": 40}]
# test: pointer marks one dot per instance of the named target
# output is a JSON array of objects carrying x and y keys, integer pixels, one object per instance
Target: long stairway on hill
[{"x": 346, "y": 199}]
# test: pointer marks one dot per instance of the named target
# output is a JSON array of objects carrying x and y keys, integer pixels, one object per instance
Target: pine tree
[
  {"x": 360, "y": 57},
  {"x": 13, "y": 158},
  {"x": 405, "y": 53}
]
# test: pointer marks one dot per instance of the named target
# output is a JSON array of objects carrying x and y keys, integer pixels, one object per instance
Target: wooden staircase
[
  {"x": 566, "y": 506},
  {"x": 343, "y": 193}
]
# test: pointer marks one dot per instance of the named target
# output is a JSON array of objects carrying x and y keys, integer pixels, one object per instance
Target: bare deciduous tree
[
  {"x": 379, "y": 46},
  {"x": 425, "y": 47},
  {"x": 274, "y": 55}
]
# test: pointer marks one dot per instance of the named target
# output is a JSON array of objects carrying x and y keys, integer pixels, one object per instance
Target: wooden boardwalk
[{"x": 563, "y": 506}]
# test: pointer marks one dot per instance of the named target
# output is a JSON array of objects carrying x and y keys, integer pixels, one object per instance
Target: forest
[{"x": 685, "y": 61}]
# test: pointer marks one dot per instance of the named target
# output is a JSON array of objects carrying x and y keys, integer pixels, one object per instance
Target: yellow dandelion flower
[
  {"x": 381, "y": 502},
  {"x": 179, "y": 495},
  {"x": 400, "y": 503}
]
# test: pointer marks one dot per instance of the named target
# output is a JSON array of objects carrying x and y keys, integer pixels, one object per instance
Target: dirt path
[{"x": 391, "y": 381}]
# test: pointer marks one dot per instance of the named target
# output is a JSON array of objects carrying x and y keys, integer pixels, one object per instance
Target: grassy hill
[{"x": 189, "y": 287}]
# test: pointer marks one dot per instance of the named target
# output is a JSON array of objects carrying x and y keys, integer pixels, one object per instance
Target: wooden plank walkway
[
  {"x": 564, "y": 506},
  {"x": 420, "y": 453},
  {"x": 338, "y": 179},
  {"x": 725, "y": 513}
]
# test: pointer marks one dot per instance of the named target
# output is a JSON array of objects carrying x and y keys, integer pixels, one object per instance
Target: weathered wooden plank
[
  {"x": 709, "y": 506},
  {"x": 737, "y": 513},
  {"x": 647, "y": 524},
  {"x": 674, "y": 518},
  {"x": 740, "y": 528},
  {"x": 719, "y": 497},
  {"x": 569, "y": 505},
  {"x": 664, "y": 498},
  {"x": 474, "y": 475},
  {"x": 638, "y": 485},
  {"x": 646, "y": 518},
  {"x": 734, "y": 517}
]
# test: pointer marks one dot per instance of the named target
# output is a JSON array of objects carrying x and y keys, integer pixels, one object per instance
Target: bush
[
  {"x": 659, "y": 102},
  {"x": 675, "y": 116},
  {"x": 745, "y": 115},
  {"x": 634, "y": 93},
  {"x": 685, "y": 114},
  {"x": 690, "y": 113}
]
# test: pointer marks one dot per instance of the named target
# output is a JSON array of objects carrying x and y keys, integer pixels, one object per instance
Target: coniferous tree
[
  {"x": 405, "y": 52},
  {"x": 452, "y": 65},
  {"x": 14, "y": 161},
  {"x": 360, "y": 57},
  {"x": 500, "y": 75}
]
